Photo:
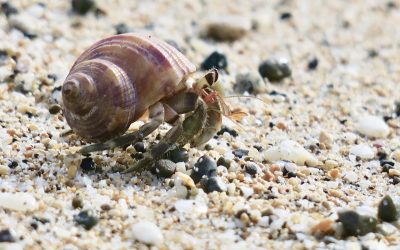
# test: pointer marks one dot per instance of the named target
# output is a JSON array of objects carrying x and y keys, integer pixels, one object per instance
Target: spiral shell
[{"x": 116, "y": 80}]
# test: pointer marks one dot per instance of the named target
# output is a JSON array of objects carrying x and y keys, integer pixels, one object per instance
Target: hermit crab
[{"x": 114, "y": 82}]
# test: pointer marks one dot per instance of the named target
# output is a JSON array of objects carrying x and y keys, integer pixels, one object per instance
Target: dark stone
[
  {"x": 240, "y": 152},
  {"x": 387, "y": 210},
  {"x": 86, "y": 219},
  {"x": 121, "y": 28},
  {"x": 372, "y": 53},
  {"x": 82, "y": 7},
  {"x": 77, "y": 202},
  {"x": 397, "y": 109},
  {"x": 139, "y": 147},
  {"x": 223, "y": 162},
  {"x": 87, "y": 165},
  {"x": 214, "y": 184},
  {"x": 215, "y": 60},
  {"x": 165, "y": 168},
  {"x": 386, "y": 168},
  {"x": 230, "y": 131},
  {"x": 178, "y": 155},
  {"x": 54, "y": 109},
  {"x": 105, "y": 207},
  {"x": 313, "y": 64},
  {"x": 250, "y": 83},
  {"x": 286, "y": 16},
  {"x": 355, "y": 224},
  {"x": 8, "y": 9},
  {"x": 13, "y": 164},
  {"x": 205, "y": 166},
  {"x": 386, "y": 162},
  {"x": 6, "y": 236},
  {"x": 251, "y": 168},
  {"x": 274, "y": 70}
]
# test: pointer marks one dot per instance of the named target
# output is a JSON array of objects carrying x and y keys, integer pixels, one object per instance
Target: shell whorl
[{"x": 115, "y": 81}]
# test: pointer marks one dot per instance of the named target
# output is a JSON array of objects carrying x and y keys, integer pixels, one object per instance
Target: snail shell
[{"x": 116, "y": 80}]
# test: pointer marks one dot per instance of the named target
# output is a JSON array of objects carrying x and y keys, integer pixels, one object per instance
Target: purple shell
[{"x": 116, "y": 80}]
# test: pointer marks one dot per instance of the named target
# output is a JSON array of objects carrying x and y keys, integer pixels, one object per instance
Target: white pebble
[
  {"x": 363, "y": 151},
  {"x": 350, "y": 176},
  {"x": 147, "y": 233},
  {"x": 18, "y": 201},
  {"x": 290, "y": 151},
  {"x": 372, "y": 126},
  {"x": 191, "y": 206}
]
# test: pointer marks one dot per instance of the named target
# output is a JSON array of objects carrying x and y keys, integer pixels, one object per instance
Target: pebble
[
  {"x": 323, "y": 227},
  {"x": 77, "y": 202},
  {"x": 326, "y": 139},
  {"x": 18, "y": 201},
  {"x": 215, "y": 60},
  {"x": 394, "y": 172},
  {"x": 184, "y": 179},
  {"x": 191, "y": 206},
  {"x": 330, "y": 164},
  {"x": 363, "y": 151},
  {"x": 387, "y": 210},
  {"x": 355, "y": 224},
  {"x": 224, "y": 162},
  {"x": 121, "y": 28},
  {"x": 4, "y": 170},
  {"x": 139, "y": 147},
  {"x": 289, "y": 150},
  {"x": 372, "y": 126},
  {"x": 205, "y": 166},
  {"x": 6, "y": 236},
  {"x": 147, "y": 233},
  {"x": 350, "y": 176},
  {"x": 165, "y": 168},
  {"x": 313, "y": 64},
  {"x": 275, "y": 70},
  {"x": 178, "y": 155},
  {"x": 227, "y": 27},
  {"x": 249, "y": 82},
  {"x": 87, "y": 165},
  {"x": 8, "y": 9},
  {"x": 54, "y": 109},
  {"x": 215, "y": 183},
  {"x": 82, "y": 7},
  {"x": 86, "y": 219},
  {"x": 252, "y": 168},
  {"x": 240, "y": 153}
]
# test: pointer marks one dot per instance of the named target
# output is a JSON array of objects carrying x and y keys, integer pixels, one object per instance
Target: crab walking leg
[
  {"x": 156, "y": 118},
  {"x": 181, "y": 133},
  {"x": 211, "y": 127}
]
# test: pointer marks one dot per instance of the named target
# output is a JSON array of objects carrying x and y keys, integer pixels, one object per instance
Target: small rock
[
  {"x": 250, "y": 83},
  {"x": 13, "y": 164},
  {"x": 223, "y": 162},
  {"x": 252, "y": 168},
  {"x": 87, "y": 165},
  {"x": 8, "y": 9},
  {"x": 372, "y": 126},
  {"x": 178, "y": 155},
  {"x": 147, "y": 233},
  {"x": 350, "y": 176},
  {"x": 6, "y": 236},
  {"x": 215, "y": 183},
  {"x": 86, "y": 219},
  {"x": 18, "y": 201},
  {"x": 275, "y": 70},
  {"x": 330, "y": 164},
  {"x": 386, "y": 168},
  {"x": 290, "y": 151},
  {"x": 394, "y": 172},
  {"x": 325, "y": 139},
  {"x": 77, "y": 202},
  {"x": 355, "y": 224},
  {"x": 312, "y": 64},
  {"x": 215, "y": 60},
  {"x": 323, "y": 227},
  {"x": 363, "y": 151},
  {"x": 191, "y": 206},
  {"x": 227, "y": 27},
  {"x": 387, "y": 210},
  {"x": 205, "y": 166},
  {"x": 82, "y": 7},
  {"x": 240, "y": 153},
  {"x": 139, "y": 147},
  {"x": 230, "y": 131},
  {"x": 165, "y": 168},
  {"x": 286, "y": 15},
  {"x": 54, "y": 109},
  {"x": 121, "y": 28},
  {"x": 4, "y": 170},
  {"x": 185, "y": 180}
]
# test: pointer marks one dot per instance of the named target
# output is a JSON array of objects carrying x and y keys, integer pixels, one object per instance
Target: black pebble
[
  {"x": 54, "y": 109},
  {"x": 313, "y": 64},
  {"x": 372, "y": 53},
  {"x": 6, "y": 236},
  {"x": 397, "y": 109},
  {"x": 215, "y": 60},
  {"x": 87, "y": 164},
  {"x": 230, "y": 131},
  {"x": 139, "y": 147},
  {"x": 86, "y": 219},
  {"x": 178, "y": 155},
  {"x": 77, "y": 202},
  {"x": 240, "y": 152},
  {"x": 214, "y": 184},
  {"x": 82, "y": 7},
  {"x": 223, "y": 162},
  {"x": 8, "y": 9},
  {"x": 251, "y": 169},
  {"x": 387, "y": 210},
  {"x": 13, "y": 164},
  {"x": 121, "y": 28},
  {"x": 355, "y": 224},
  {"x": 274, "y": 70},
  {"x": 286, "y": 15},
  {"x": 165, "y": 168},
  {"x": 205, "y": 166}
]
